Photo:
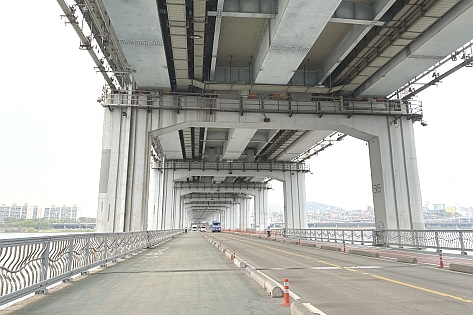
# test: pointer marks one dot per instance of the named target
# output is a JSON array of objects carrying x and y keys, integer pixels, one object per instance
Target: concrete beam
[
  {"x": 172, "y": 145},
  {"x": 354, "y": 36},
  {"x": 218, "y": 25},
  {"x": 436, "y": 43},
  {"x": 238, "y": 139},
  {"x": 288, "y": 38},
  {"x": 307, "y": 140}
]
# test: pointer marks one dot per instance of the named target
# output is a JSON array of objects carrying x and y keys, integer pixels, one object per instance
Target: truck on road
[{"x": 215, "y": 226}]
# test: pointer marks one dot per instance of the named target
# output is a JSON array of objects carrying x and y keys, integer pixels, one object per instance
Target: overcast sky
[{"x": 51, "y": 126}]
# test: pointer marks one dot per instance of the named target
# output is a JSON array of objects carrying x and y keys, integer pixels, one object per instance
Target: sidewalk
[{"x": 186, "y": 275}]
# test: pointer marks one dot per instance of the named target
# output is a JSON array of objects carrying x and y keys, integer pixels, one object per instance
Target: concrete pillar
[
  {"x": 124, "y": 174},
  {"x": 395, "y": 179},
  {"x": 177, "y": 210},
  {"x": 244, "y": 214},
  {"x": 155, "y": 183},
  {"x": 261, "y": 210},
  {"x": 168, "y": 206},
  {"x": 295, "y": 212},
  {"x": 236, "y": 215}
]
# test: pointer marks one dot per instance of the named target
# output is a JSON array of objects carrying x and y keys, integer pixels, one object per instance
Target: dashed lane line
[{"x": 365, "y": 273}]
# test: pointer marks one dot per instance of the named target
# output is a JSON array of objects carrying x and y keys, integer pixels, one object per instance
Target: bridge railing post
[
  {"x": 44, "y": 274},
  {"x": 462, "y": 244},
  {"x": 416, "y": 238},
  {"x": 70, "y": 253},
  {"x": 105, "y": 249},
  {"x": 437, "y": 243},
  {"x": 45, "y": 261}
]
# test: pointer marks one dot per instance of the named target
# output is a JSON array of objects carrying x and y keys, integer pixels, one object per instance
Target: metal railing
[
  {"x": 233, "y": 166},
  {"x": 358, "y": 236},
  {"x": 458, "y": 240},
  {"x": 31, "y": 265},
  {"x": 455, "y": 240},
  {"x": 262, "y": 104}
]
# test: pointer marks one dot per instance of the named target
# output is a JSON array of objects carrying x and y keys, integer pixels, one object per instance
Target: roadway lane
[
  {"x": 340, "y": 283},
  {"x": 186, "y": 275}
]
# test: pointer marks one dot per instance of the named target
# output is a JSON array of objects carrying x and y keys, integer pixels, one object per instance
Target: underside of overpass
[{"x": 207, "y": 101}]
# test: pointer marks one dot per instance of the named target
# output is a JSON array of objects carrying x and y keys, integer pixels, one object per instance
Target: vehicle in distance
[
  {"x": 194, "y": 227},
  {"x": 215, "y": 226},
  {"x": 202, "y": 228}
]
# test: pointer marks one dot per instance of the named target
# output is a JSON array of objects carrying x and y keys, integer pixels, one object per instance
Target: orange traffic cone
[{"x": 287, "y": 301}]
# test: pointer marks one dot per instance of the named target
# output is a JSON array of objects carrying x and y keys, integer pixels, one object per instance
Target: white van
[{"x": 194, "y": 227}]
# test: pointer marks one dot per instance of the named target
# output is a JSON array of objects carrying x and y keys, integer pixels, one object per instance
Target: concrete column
[
  {"x": 124, "y": 174},
  {"x": 229, "y": 215},
  {"x": 261, "y": 210},
  {"x": 395, "y": 179},
  {"x": 177, "y": 210},
  {"x": 168, "y": 194},
  {"x": 155, "y": 182},
  {"x": 236, "y": 215},
  {"x": 295, "y": 212},
  {"x": 243, "y": 219}
]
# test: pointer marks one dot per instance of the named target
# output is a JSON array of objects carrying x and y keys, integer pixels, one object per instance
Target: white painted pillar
[
  {"x": 176, "y": 210},
  {"x": 154, "y": 198},
  {"x": 395, "y": 178},
  {"x": 124, "y": 174},
  {"x": 242, "y": 222},
  {"x": 236, "y": 215},
  {"x": 261, "y": 210},
  {"x": 229, "y": 216},
  {"x": 168, "y": 194},
  {"x": 295, "y": 212}
]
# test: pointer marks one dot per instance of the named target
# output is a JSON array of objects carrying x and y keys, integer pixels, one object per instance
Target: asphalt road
[
  {"x": 186, "y": 275},
  {"x": 341, "y": 283}
]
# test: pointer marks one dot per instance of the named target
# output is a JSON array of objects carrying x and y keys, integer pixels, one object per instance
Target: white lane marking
[{"x": 313, "y": 309}]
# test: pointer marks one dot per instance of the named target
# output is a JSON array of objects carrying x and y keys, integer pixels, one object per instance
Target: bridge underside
[{"x": 207, "y": 101}]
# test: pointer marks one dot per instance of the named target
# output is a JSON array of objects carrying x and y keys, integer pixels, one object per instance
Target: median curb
[
  {"x": 333, "y": 248},
  {"x": 363, "y": 253},
  {"x": 268, "y": 284},
  {"x": 461, "y": 268},
  {"x": 406, "y": 259}
]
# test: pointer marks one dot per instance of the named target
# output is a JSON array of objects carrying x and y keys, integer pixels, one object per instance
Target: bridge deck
[
  {"x": 183, "y": 276},
  {"x": 188, "y": 275}
]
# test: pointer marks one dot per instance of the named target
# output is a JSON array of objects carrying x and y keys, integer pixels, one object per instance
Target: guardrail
[
  {"x": 461, "y": 240},
  {"x": 233, "y": 166},
  {"x": 31, "y": 265},
  {"x": 455, "y": 240},
  {"x": 266, "y": 104}
]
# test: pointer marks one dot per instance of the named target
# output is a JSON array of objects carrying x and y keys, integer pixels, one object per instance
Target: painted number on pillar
[{"x": 377, "y": 188}]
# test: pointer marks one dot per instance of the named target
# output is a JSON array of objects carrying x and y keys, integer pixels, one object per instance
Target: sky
[{"x": 51, "y": 126}]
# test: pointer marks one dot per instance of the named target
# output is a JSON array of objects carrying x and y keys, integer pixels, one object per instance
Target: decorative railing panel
[
  {"x": 364, "y": 237},
  {"x": 461, "y": 240},
  {"x": 29, "y": 265},
  {"x": 456, "y": 240}
]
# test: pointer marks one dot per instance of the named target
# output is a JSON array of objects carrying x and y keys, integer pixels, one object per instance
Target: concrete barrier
[
  {"x": 461, "y": 268},
  {"x": 363, "y": 253},
  {"x": 273, "y": 288},
  {"x": 269, "y": 285},
  {"x": 228, "y": 253},
  {"x": 328, "y": 247},
  {"x": 406, "y": 259},
  {"x": 239, "y": 263}
]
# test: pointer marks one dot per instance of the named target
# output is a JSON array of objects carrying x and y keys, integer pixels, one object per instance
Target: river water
[{"x": 26, "y": 235}]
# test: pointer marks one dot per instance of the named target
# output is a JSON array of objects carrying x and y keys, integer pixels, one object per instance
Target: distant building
[
  {"x": 13, "y": 211},
  {"x": 35, "y": 212},
  {"x": 60, "y": 213}
]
